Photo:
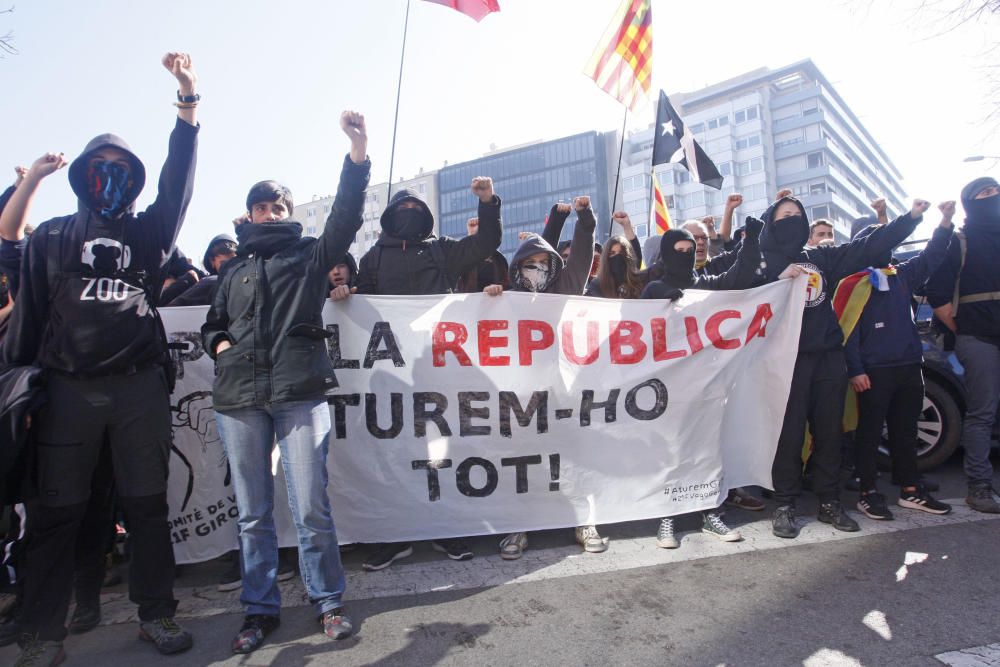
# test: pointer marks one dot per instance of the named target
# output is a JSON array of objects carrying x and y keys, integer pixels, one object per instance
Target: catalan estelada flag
[
  {"x": 660, "y": 218},
  {"x": 622, "y": 65}
]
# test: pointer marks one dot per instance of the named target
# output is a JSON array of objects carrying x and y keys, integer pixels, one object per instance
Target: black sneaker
[
  {"x": 873, "y": 506},
  {"x": 783, "y": 522},
  {"x": 455, "y": 549},
  {"x": 383, "y": 555},
  {"x": 833, "y": 513},
  {"x": 86, "y": 617},
  {"x": 981, "y": 499},
  {"x": 255, "y": 628},
  {"x": 231, "y": 579},
  {"x": 921, "y": 500}
]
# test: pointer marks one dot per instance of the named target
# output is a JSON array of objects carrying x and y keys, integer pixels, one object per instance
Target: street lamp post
[{"x": 979, "y": 158}]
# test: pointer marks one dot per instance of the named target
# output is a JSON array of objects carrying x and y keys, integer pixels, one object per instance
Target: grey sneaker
[
  {"x": 37, "y": 652},
  {"x": 714, "y": 525},
  {"x": 166, "y": 635},
  {"x": 981, "y": 499},
  {"x": 512, "y": 546},
  {"x": 665, "y": 538},
  {"x": 591, "y": 540}
]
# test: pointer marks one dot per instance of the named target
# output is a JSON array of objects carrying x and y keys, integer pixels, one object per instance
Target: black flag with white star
[{"x": 672, "y": 142}]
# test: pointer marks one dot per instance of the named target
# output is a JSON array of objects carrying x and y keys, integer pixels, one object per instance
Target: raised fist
[
  {"x": 621, "y": 217},
  {"x": 179, "y": 64},
  {"x": 753, "y": 227},
  {"x": 563, "y": 208},
  {"x": 353, "y": 125},
  {"x": 472, "y": 226},
  {"x": 21, "y": 173},
  {"x": 947, "y": 209},
  {"x": 784, "y": 192},
  {"x": 580, "y": 203},
  {"x": 919, "y": 206},
  {"x": 47, "y": 164},
  {"x": 482, "y": 187},
  {"x": 242, "y": 219},
  {"x": 709, "y": 221},
  {"x": 879, "y": 206},
  {"x": 523, "y": 235},
  {"x": 734, "y": 200}
]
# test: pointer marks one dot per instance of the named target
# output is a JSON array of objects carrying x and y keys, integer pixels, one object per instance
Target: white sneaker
[
  {"x": 591, "y": 540},
  {"x": 714, "y": 525},
  {"x": 665, "y": 535},
  {"x": 512, "y": 546}
]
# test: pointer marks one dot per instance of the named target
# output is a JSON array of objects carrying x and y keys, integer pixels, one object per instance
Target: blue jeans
[
  {"x": 302, "y": 429},
  {"x": 982, "y": 380}
]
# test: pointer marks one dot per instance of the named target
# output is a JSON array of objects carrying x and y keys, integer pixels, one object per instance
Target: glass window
[
  {"x": 697, "y": 128},
  {"x": 752, "y": 113},
  {"x": 817, "y": 188},
  {"x": 820, "y": 212},
  {"x": 726, "y": 168},
  {"x": 756, "y": 164},
  {"x": 740, "y": 116},
  {"x": 712, "y": 124},
  {"x": 815, "y": 160},
  {"x": 723, "y": 121}
]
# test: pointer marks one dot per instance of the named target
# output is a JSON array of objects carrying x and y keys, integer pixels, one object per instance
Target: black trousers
[
  {"x": 895, "y": 399},
  {"x": 132, "y": 414},
  {"x": 819, "y": 384}
]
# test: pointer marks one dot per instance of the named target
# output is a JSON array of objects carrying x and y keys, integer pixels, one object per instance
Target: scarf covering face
[
  {"x": 108, "y": 186},
  {"x": 267, "y": 238},
  {"x": 678, "y": 267},
  {"x": 618, "y": 264},
  {"x": 781, "y": 241},
  {"x": 534, "y": 275},
  {"x": 981, "y": 212},
  {"x": 410, "y": 224}
]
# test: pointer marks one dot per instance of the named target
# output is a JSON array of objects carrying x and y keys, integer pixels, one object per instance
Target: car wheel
[{"x": 939, "y": 429}]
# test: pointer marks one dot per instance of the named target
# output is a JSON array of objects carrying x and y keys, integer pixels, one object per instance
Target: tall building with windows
[
  {"x": 768, "y": 130},
  {"x": 313, "y": 214},
  {"x": 530, "y": 179}
]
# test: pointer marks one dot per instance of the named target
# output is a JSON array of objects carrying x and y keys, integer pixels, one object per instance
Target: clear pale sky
[{"x": 275, "y": 76}]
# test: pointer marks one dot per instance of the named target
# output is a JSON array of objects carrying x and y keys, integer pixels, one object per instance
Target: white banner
[{"x": 466, "y": 414}]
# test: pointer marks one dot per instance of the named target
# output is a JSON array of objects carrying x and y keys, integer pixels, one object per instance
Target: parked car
[{"x": 939, "y": 429}]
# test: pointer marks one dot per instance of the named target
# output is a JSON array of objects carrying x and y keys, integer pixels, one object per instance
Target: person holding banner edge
[{"x": 265, "y": 332}]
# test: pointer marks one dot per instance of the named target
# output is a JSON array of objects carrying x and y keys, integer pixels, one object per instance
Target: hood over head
[
  {"x": 678, "y": 267},
  {"x": 782, "y": 241},
  {"x": 981, "y": 212},
  {"x": 401, "y": 223},
  {"x": 270, "y": 191},
  {"x": 532, "y": 245},
  {"x": 94, "y": 192},
  {"x": 214, "y": 247}
]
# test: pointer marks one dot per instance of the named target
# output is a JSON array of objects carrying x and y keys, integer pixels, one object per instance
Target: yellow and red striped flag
[
  {"x": 660, "y": 214},
  {"x": 622, "y": 65}
]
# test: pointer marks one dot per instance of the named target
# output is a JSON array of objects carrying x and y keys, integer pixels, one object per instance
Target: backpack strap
[
  {"x": 53, "y": 257},
  {"x": 962, "y": 246}
]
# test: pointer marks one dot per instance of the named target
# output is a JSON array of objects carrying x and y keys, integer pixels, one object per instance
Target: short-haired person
[
  {"x": 820, "y": 233},
  {"x": 265, "y": 332},
  {"x": 86, "y": 314},
  {"x": 965, "y": 295},
  {"x": 819, "y": 379}
]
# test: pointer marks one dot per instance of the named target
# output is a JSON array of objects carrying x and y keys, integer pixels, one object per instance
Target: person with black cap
[
  {"x": 819, "y": 380},
  {"x": 965, "y": 295},
  {"x": 86, "y": 315},
  {"x": 409, "y": 259},
  {"x": 220, "y": 250},
  {"x": 265, "y": 332},
  {"x": 884, "y": 357},
  {"x": 677, "y": 261}
]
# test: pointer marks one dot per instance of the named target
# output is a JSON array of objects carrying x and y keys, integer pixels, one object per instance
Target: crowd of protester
[{"x": 86, "y": 377}]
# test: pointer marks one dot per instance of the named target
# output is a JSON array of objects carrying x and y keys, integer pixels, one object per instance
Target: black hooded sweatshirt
[
  {"x": 980, "y": 274},
  {"x": 569, "y": 277},
  {"x": 781, "y": 246},
  {"x": 421, "y": 263},
  {"x": 96, "y": 319}
]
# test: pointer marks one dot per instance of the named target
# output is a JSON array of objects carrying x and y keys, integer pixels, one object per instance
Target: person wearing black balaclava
[
  {"x": 86, "y": 314},
  {"x": 965, "y": 295},
  {"x": 273, "y": 375},
  {"x": 677, "y": 262},
  {"x": 409, "y": 259},
  {"x": 819, "y": 380}
]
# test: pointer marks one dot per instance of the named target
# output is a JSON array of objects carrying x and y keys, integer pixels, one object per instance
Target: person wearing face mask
[
  {"x": 265, "y": 332},
  {"x": 677, "y": 261},
  {"x": 819, "y": 380},
  {"x": 619, "y": 276},
  {"x": 409, "y": 259},
  {"x": 965, "y": 295},
  {"x": 86, "y": 315},
  {"x": 537, "y": 267}
]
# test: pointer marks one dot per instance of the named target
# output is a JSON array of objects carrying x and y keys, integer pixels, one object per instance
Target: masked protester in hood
[
  {"x": 537, "y": 267},
  {"x": 819, "y": 381},
  {"x": 105, "y": 341},
  {"x": 965, "y": 295},
  {"x": 273, "y": 375},
  {"x": 409, "y": 259},
  {"x": 491, "y": 271},
  {"x": 677, "y": 261},
  {"x": 884, "y": 358}
]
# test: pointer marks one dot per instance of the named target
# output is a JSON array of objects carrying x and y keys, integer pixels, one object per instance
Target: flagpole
[
  {"x": 399, "y": 88},
  {"x": 618, "y": 171}
]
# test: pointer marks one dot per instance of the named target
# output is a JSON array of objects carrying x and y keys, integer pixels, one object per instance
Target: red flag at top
[{"x": 476, "y": 9}]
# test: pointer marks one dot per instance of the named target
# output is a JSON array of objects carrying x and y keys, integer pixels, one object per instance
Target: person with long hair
[{"x": 618, "y": 274}]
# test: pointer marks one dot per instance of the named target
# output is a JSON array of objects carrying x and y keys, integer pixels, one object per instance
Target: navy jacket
[{"x": 886, "y": 335}]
